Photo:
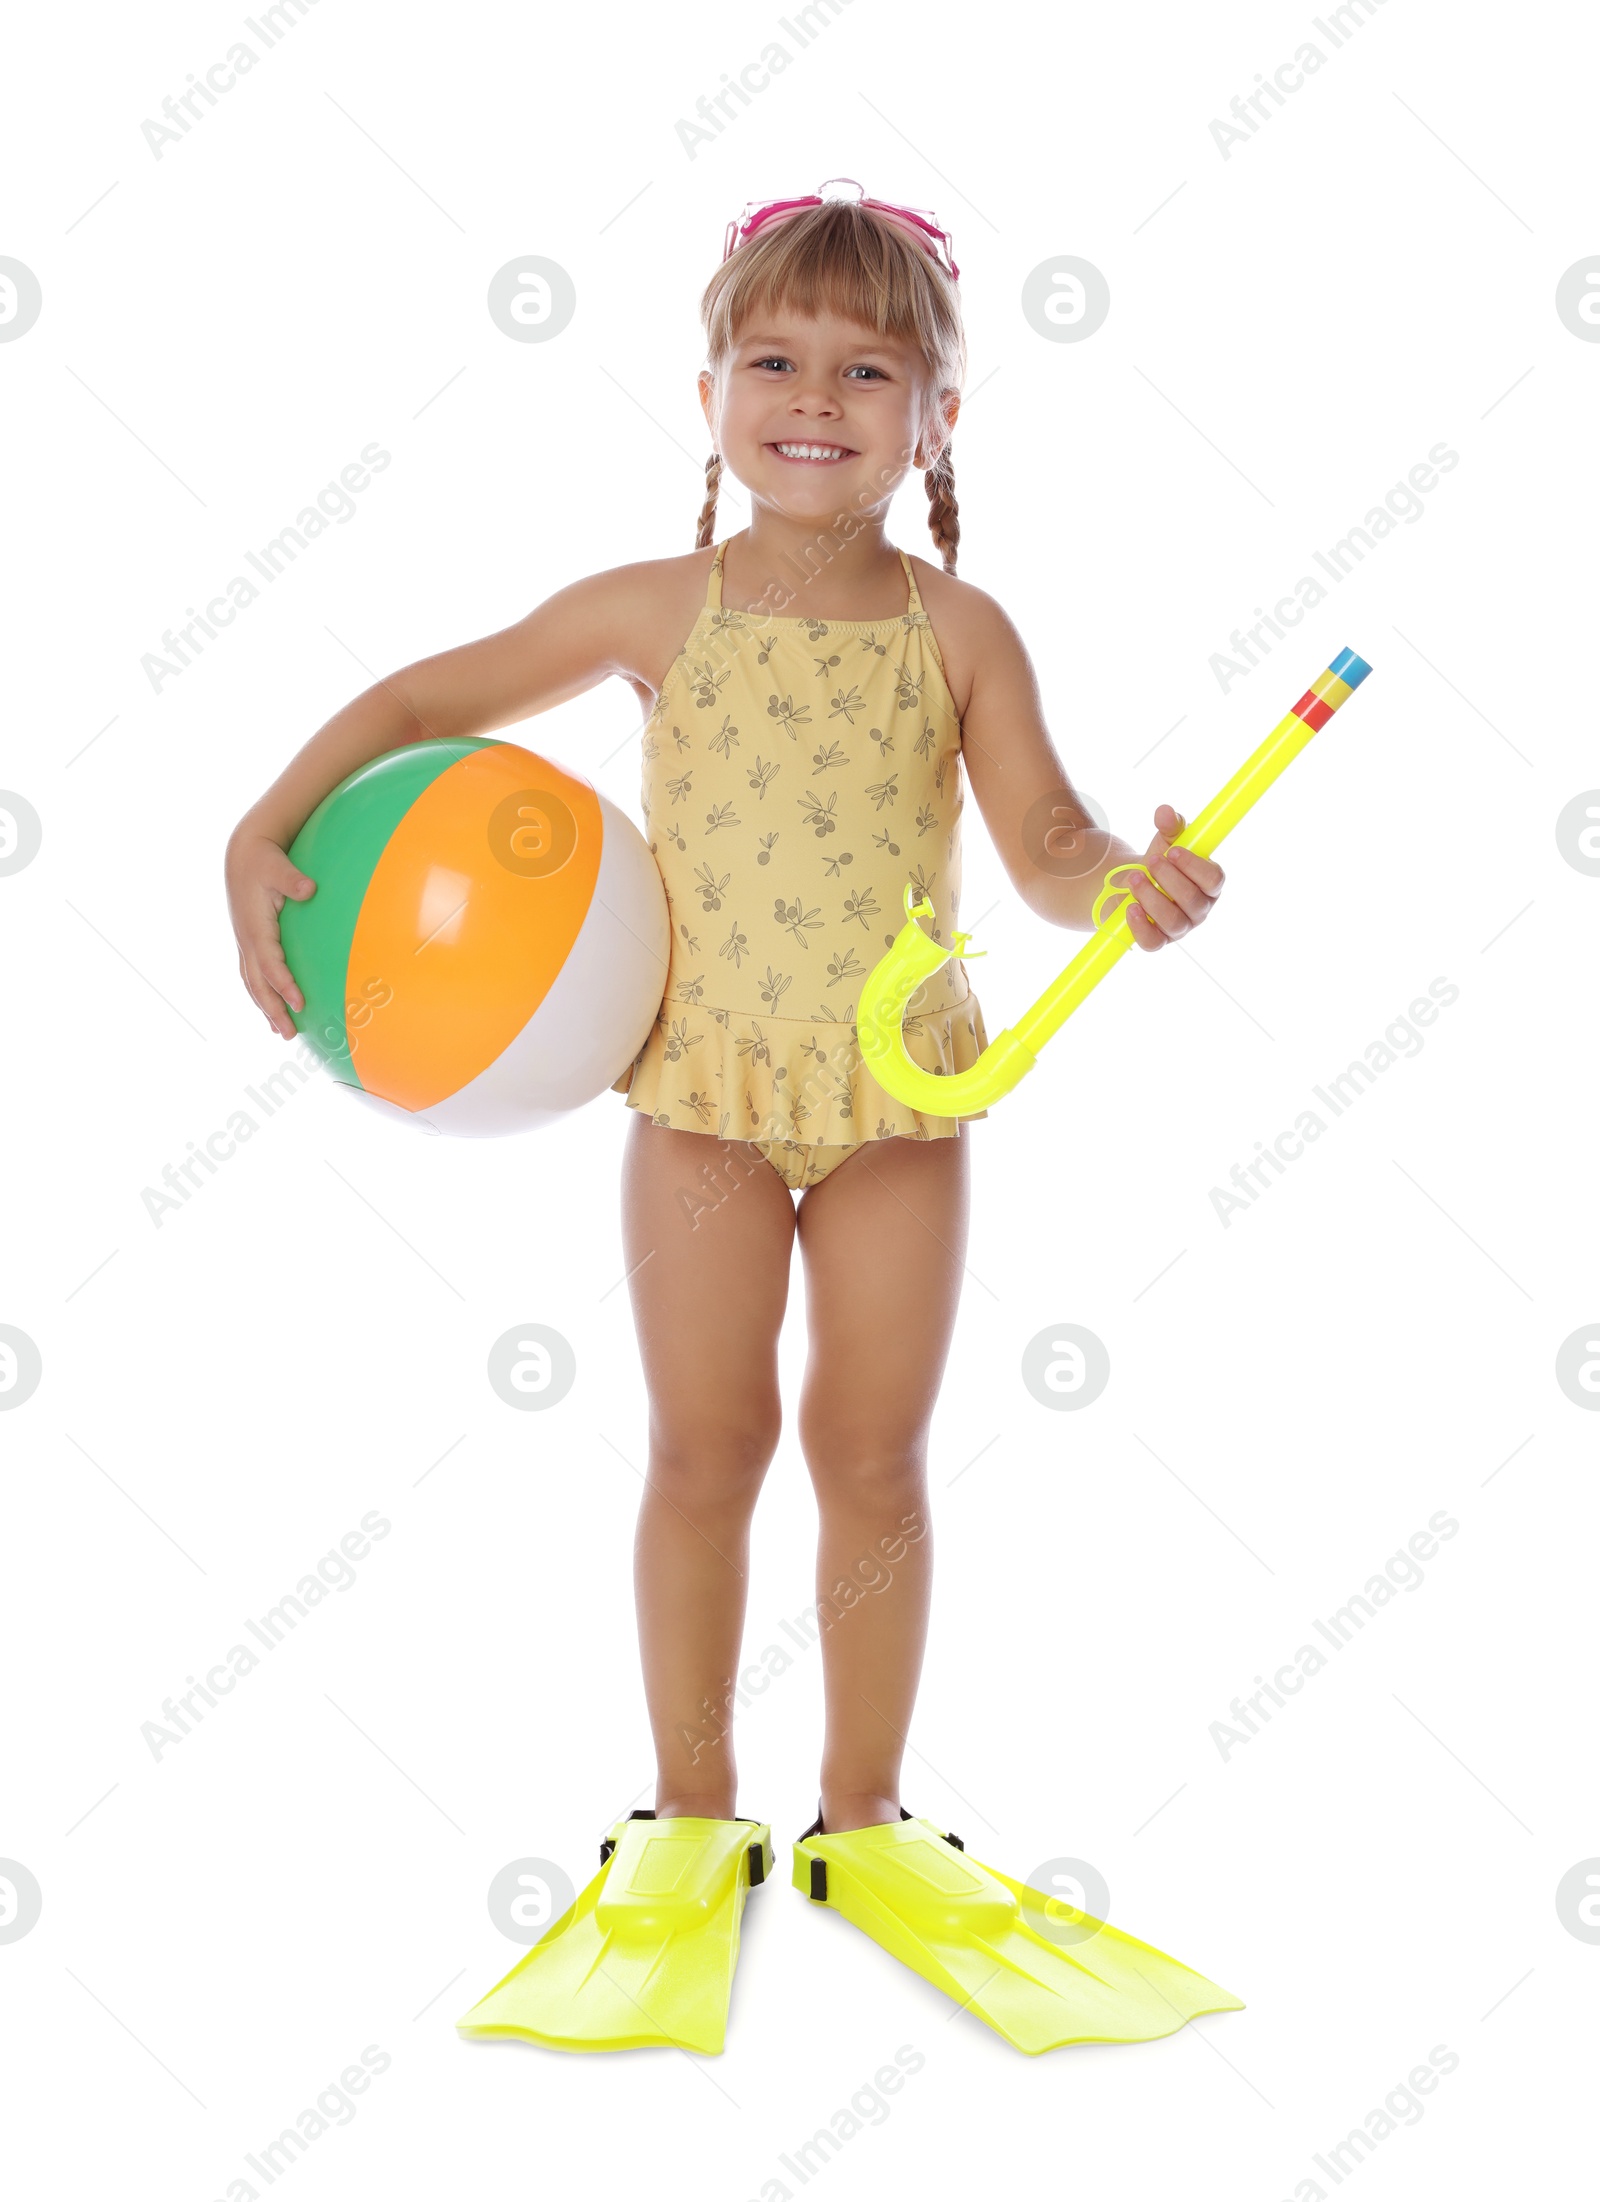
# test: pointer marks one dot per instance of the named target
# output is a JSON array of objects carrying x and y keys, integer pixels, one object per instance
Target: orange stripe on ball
[{"x": 470, "y": 914}]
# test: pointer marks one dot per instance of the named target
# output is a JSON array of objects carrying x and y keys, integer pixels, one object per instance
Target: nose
[{"x": 815, "y": 405}]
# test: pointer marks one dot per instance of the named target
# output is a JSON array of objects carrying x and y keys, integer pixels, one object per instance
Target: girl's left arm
[{"x": 1055, "y": 854}]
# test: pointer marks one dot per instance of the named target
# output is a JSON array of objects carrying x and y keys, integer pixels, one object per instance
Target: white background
[{"x": 225, "y": 1396}]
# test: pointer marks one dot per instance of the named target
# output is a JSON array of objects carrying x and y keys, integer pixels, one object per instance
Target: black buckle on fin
[{"x": 608, "y": 1846}]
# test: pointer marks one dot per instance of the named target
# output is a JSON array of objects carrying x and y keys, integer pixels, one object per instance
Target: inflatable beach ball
[{"x": 488, "y": 943}]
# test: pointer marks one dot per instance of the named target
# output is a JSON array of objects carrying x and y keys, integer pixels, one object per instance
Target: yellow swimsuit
[{"x": 796, "y": 774}]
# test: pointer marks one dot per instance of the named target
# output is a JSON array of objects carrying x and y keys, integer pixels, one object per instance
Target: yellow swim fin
[
  {"x": 1038, "y": 1972},
  {"x": 646, "y": 1954}
]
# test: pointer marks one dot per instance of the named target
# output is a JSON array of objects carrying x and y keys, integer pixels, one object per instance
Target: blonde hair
[{"x": 842, "y": 258}]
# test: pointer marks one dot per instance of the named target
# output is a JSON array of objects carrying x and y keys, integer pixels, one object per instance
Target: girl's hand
[
  {"x": 260, "y": 880},
  {"x": 1186, "y": 886}
]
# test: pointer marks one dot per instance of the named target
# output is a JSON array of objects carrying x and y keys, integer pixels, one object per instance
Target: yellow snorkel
[{"x": 915, "y": 958}]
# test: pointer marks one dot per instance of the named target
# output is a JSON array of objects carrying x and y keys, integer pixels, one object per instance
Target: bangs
[{"x": 840, "y": 259}]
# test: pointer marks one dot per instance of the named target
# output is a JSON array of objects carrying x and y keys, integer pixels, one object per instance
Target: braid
[
  {"x": 943, "y": 521},
  {"x": 708, "y": 511}
]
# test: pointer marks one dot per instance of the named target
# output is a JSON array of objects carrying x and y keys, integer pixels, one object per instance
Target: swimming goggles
[{"x": 917, "y": 222}]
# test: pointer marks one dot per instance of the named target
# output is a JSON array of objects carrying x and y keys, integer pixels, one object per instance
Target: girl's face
[{"x": 796, "y": 386}]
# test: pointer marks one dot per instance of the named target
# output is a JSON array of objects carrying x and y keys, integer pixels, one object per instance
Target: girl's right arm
[{"x": 564, "y": 646}]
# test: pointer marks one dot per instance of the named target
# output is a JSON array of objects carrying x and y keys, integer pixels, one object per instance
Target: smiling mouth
[{"x": 812, "y": 454}]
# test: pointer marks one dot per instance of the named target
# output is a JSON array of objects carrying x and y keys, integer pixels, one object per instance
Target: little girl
[{"x": 812, "y": 694}]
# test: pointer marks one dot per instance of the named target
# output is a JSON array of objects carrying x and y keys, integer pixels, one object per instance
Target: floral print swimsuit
[{"x": 797, "y": 774}]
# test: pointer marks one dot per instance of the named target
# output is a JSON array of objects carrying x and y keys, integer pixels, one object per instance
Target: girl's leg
[
  {"x": 708, "y": 1231},
  {"x": 883, "y": 1238}
]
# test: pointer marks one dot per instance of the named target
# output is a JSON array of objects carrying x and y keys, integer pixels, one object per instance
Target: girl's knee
[
  {"x": 890, "y": 1480},
  {"x": 709, "y": 1468}
]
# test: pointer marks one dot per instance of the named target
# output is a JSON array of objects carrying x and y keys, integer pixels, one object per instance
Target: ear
[
  {"x": 932, "y": 441},
  {"x": 708, "y": 403}
]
